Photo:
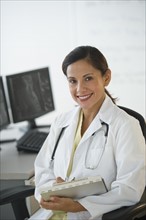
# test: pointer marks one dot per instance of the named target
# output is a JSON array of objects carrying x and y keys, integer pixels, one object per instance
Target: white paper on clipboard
[
  {"x": 41, "y": 214},
  {"x": 76, "y": 189}
]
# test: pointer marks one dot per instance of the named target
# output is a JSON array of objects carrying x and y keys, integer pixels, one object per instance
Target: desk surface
[{"x": 15, "y": 164}]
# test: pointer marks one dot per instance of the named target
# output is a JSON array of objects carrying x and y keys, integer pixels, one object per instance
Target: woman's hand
[
  {"x": 59, "y": 180},
  {"x": 62, "y": 204}
]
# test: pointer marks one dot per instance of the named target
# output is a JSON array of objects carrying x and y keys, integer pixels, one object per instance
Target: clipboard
[{"x": 76, "y": 189}]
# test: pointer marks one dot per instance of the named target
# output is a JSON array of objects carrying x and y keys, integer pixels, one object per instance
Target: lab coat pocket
[{"x": 95, "y": 152}]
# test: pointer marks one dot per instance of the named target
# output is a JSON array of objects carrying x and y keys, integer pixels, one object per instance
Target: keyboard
[{"x": 32, "y": 141}]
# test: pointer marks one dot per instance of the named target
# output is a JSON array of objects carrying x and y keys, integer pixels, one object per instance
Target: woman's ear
[{"x": 107, "y": 77}]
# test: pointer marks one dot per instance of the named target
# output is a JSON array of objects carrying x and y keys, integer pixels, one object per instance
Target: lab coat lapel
[
  {"x": 94, "y": 127},
  {"x": 102, "y": 116},
  {"x": 71, "y": 125},
  {"x": 70, "y": 122}
]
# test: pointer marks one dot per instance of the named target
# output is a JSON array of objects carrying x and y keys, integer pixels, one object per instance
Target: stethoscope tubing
[{"x": 60, "y": 134}]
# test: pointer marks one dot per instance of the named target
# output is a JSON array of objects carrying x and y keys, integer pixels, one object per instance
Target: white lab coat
[{"x": 119, "y": 159}]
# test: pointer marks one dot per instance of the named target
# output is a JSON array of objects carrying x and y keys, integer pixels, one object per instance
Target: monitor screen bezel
[
  {"x": 4, "y": 125},
  {"x": 31, "y": 118}
]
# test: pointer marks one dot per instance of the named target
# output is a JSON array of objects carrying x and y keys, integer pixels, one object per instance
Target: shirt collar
[{"x": 105, "y": 114}]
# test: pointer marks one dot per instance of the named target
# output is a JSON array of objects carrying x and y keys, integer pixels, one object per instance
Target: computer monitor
[
  {"x": 30, "y": 95},
  {"x": 4, "y": 116}
]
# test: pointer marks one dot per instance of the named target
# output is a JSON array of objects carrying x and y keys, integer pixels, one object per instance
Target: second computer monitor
[
  {"x": 4, "y": 116},
  {"x": 30, "y": 94}
]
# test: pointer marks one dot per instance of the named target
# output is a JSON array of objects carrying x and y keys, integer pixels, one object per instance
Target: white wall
[{"x": 36, "y": 34}]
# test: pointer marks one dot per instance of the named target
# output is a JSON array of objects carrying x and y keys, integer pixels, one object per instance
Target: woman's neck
[{"x": 88, "y": 116}]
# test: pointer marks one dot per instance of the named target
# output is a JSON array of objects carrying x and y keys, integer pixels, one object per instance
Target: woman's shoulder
[
  {"x": 115, "y": 114},
  {"x": 123, "y": 119}
]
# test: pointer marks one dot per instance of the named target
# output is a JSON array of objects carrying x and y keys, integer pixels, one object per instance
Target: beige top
[{"x": 60, "y": 214}]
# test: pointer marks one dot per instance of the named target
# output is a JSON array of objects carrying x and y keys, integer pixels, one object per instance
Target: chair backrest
[{"x": 138, "y": 116}]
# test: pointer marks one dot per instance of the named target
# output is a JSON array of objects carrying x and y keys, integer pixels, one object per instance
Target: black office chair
[{"x": 16, "y": 195}]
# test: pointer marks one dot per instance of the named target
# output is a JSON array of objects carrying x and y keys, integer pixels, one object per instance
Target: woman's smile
[{"x": 84, "y": 97}]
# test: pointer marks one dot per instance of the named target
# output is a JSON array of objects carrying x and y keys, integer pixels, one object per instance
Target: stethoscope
[{"x": 106, "y": 130}]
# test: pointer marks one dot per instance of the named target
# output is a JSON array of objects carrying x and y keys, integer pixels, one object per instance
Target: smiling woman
[
  {"x": 94, "y": 132},
  {"x": 88, "y": 74}
]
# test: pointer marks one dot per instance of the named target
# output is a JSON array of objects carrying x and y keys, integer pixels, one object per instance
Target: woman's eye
[
  {"x": 88, "y": 78},
  {"x": 72, "y": 81}
]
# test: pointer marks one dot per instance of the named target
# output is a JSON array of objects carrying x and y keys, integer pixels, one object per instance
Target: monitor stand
[
  {"x": 7, "y": 141},
  {"x": 32, "y": 125},
  {"x": 3, "y": 141}
]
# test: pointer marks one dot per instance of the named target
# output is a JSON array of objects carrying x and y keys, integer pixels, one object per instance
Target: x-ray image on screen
[{"x": 30, "y": 94}]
